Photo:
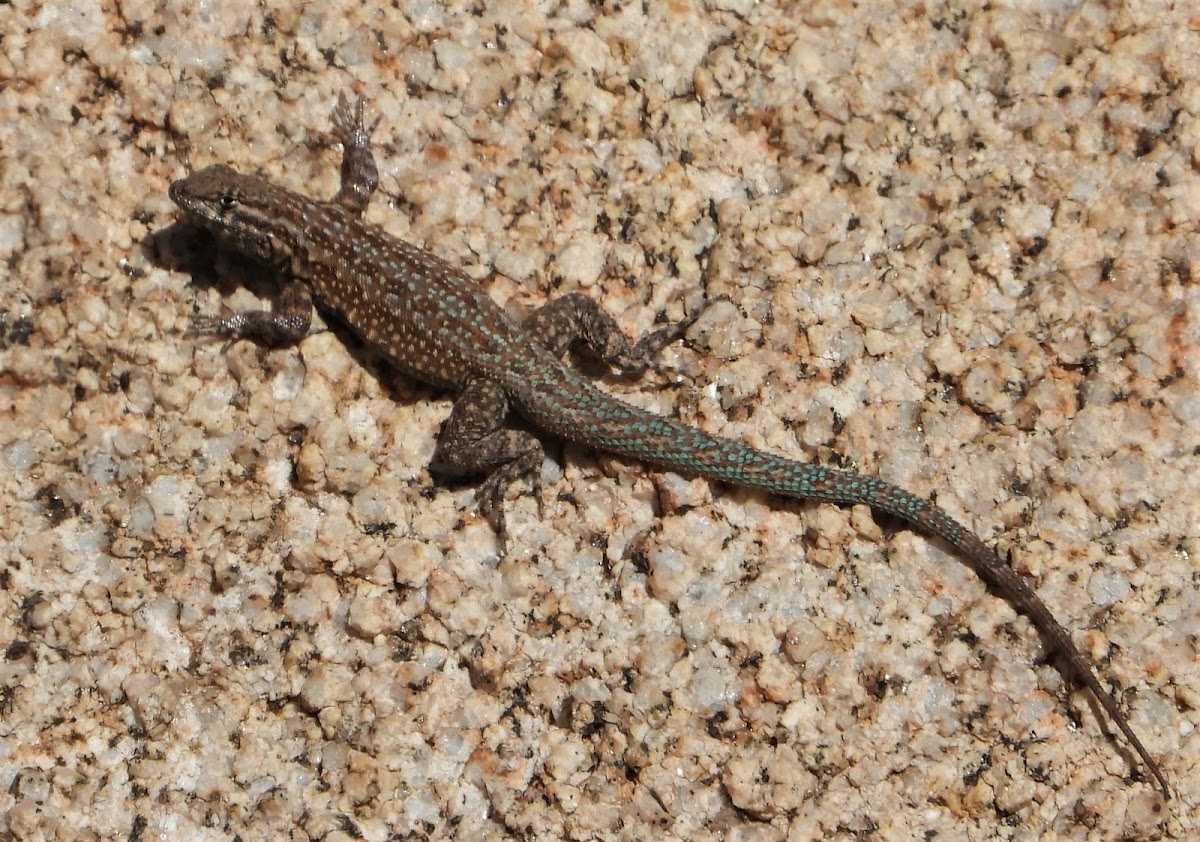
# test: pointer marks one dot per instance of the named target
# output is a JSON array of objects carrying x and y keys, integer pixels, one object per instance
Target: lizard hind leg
[
  {"x": 474, "y": 441},
  {"x": 575, "y": 318}
]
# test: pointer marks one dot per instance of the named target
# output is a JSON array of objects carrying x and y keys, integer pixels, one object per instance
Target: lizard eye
[{"x": 227, "y": 202}]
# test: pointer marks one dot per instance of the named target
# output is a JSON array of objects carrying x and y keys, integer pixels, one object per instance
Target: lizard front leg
[
  {"x": 360, "y": 176},
  {"x": 286, "y": 324}
]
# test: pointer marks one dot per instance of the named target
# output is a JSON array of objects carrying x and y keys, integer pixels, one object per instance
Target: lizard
[{"x": 429, "y": 320}]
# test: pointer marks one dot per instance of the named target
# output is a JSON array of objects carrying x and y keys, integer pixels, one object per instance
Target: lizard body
[{"x": 432, "y": 322}]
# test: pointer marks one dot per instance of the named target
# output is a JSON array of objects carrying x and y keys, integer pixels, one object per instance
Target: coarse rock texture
[{"x": 959, "y": 247}]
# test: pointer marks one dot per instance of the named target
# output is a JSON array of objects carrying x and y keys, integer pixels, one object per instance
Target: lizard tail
[{"x": 619, "y": 428}]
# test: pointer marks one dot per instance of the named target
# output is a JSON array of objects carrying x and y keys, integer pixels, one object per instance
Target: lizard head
[{"x": 243, "y": 210}]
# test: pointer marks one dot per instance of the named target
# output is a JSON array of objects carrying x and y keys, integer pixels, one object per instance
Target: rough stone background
[{"x": 959, "y": 244}]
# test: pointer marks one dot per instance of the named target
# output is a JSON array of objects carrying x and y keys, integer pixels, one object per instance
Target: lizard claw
[
  {"x": 225, "y": 325},
  {"x": 490, "y": 500},
  {"x": 348, "y": 125}
]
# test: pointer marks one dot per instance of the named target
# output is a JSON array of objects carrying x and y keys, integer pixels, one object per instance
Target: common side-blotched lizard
[{"x": 431, "y": 321}]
